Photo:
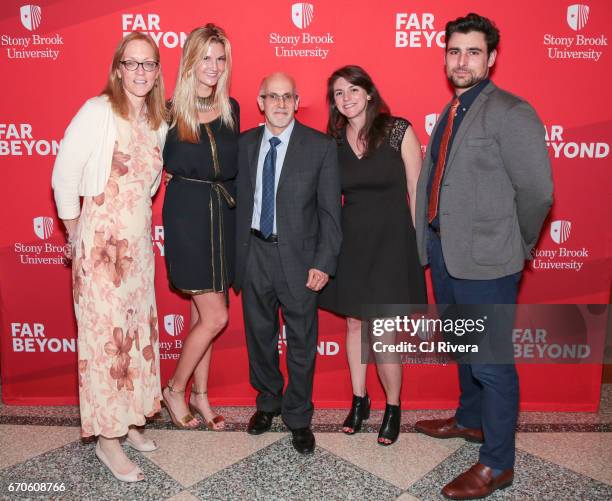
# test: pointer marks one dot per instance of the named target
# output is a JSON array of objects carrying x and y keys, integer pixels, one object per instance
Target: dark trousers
[
  {"x": 489, "y": 392},
  {"x": 264, "y": 293}
]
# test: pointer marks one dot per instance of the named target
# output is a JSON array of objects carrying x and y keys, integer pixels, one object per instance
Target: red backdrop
[{"x": 55, "y": 54}]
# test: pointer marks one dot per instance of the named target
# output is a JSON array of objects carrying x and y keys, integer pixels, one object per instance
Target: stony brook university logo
[
  {"x": 43, "y": 227},
  {"x": 173, "y": 324},
  {"x": 560, "y": 258},
  {"x": 31, "y": 16},
  {"x": 34, "y": 46},
  {"x": 304, "y": 44},
  {"x": 430, "y": 122},
  {"x": 302, "y": 14},
  {"x": 45, "y": 252},
  {"x": 560, "y": 231},
  {"x": 577, "y": 16},
  {"x": 583, "y": 45}
]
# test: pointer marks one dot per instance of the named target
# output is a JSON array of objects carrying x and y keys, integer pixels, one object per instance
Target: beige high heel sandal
[
  {"x": 214, "y": 424},
  {"x": 179, "y": 423}
]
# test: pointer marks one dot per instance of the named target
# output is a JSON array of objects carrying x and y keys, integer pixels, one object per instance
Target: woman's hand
[
  {"x": 71, "y": 225},
  {"x": 68, "y": 251}
]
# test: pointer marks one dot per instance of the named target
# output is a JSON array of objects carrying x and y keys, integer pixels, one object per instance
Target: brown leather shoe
[
  {"x": 477, "y": 482},
  {"x": 447, "y": 428}
]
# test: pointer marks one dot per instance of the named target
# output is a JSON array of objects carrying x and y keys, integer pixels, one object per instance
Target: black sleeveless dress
[
  {"x": 198, "y": 214},
  {"x": 378, "y": 266}
]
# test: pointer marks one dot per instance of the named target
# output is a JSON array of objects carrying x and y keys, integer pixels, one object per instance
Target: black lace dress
[{"x": 378, "y": 263}]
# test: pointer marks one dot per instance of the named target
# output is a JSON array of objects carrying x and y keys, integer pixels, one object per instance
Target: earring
[{"x": 369, "y": 98}]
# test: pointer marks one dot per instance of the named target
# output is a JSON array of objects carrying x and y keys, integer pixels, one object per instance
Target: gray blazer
[
  {"x": 496, "y": 192},
  {"x": 308, "y": 205}
]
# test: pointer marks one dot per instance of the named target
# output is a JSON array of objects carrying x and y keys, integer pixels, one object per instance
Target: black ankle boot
[
  {"x": 360, "y": 411},
  {"x": 390, "y": 426}
]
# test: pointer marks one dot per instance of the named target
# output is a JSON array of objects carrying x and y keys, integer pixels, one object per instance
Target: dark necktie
[
  {"x": 266, "y": 219},
  {"x": 434, "y": 195}
]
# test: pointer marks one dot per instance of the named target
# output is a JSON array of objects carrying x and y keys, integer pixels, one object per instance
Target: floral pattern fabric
[{"x": 113, "y": 291}]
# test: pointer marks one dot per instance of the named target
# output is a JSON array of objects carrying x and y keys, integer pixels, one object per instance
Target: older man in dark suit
[
  {"x": 482, "y": 197},
  {"x": 288, "y": 240}
]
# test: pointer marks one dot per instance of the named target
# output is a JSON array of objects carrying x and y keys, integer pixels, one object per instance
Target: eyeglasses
[
  {"x": 288, "y": 98},
  {"x": 146, "y": 65}
]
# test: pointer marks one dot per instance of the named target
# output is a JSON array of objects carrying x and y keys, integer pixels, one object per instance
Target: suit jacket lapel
[
  {"x": 253, "y": 154},
  {"x": 467, "y": 122},
  {"x": 292, "y": 155}
]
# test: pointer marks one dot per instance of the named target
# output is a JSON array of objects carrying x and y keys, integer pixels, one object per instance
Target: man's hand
[
  {"x": 316, "y": 279},
  {"x": 167, "y": 178}
]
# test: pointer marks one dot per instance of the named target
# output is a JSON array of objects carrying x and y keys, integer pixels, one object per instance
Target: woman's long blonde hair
[
  {"x": 184, "y": 100},
  {"x": 156, "y": 99}
]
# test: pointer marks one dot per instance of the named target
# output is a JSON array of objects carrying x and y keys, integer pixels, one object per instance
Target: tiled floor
[{"x": 560, "y": 456}]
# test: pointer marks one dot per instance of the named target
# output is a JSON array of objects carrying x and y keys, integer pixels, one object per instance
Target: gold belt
[{"x": 218, "y": 186}]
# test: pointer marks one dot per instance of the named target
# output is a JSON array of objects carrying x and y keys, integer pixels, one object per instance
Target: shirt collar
[
  {"x": 468, "y": 97},
  {"x": 283, "y": 136}
]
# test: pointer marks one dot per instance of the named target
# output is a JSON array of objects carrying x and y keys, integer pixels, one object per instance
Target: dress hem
[{"x": 139, "y": 422}]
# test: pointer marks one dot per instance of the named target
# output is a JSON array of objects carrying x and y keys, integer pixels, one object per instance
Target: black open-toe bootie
[
  {"x": 360, "y": 411},
  {"x": 390, "y": 427}
]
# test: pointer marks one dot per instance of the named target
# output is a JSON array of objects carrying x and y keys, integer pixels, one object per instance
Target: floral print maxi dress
[{"x": 114, "y": 296}]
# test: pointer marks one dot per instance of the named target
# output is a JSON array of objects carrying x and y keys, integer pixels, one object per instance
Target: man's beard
[{"x": 464, "y": 83}]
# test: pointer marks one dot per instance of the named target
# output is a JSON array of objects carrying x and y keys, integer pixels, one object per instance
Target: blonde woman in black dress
[
  {"x": 380, "y": 160},
  {"x": 200, "y": 154}
]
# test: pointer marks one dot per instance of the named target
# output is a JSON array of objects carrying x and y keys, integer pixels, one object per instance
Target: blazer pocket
[
  {"x": 492, "y": 241},
  {"x": 479, "y": 142}
]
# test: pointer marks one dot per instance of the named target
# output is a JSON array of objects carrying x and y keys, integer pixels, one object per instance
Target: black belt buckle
[{"x": 272, "y": 239}]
